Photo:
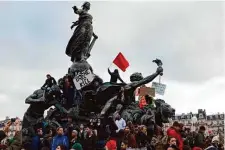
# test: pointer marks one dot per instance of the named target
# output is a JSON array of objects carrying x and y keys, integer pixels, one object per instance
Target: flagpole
[{"x": 110, "y": 65}]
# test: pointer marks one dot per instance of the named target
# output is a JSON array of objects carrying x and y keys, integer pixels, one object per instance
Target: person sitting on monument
[
  {"x": 68, "y": 92},
  {"x": 49, "y": 82},
  {"x": 149, "y": 101},
  {"x": 115, "y": 76}
]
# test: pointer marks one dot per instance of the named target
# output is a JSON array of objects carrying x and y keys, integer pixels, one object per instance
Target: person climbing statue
[
  {"x": 49, "y": 82},
  {"x": 115, "y": 76}
]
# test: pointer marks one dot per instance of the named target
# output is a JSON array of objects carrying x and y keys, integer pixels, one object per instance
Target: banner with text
[
  {"x": 159, "y": 88},
  {"x": 83, "y": 78}
]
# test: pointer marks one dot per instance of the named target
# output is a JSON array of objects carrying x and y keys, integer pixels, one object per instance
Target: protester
[
  {"x": 61, "y": 147},
  {"x": 74, "y": 143},
  {"x": 90, "y": 140},
  {"x": 172, "y": 147},
  {"x": 49, "y": 81},
  {"x": 174, "y": 131},
  {"x": 124, "y": 145},
  {"x": 16, "y": 141},
  {"x": 115, "y": 76},
  {"x": 141, "y": 137},
  {"x": 132, "y": 137},
  {"x": 36, "y": 141},
  {"x": 81, "y": 134},
  {"x": 215, "y": 144},
  {"x": 172, "y": 141},
  {"x": 117, "y": 134},
  {"x": 60, "y": 139},
  {"x": 111, "y": 144},
  {"x": 200, "y": 138},
  {"x": 120, "y": 122}
]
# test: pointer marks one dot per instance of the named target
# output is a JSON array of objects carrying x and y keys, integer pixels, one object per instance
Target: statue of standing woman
[{"x": 80, "y": 44}]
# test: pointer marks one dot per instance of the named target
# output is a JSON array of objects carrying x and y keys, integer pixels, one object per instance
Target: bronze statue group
[{"x": 95, "y": 102}]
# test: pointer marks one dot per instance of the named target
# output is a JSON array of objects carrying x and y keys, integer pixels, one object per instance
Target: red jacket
[
  {"x": 173, "y": 133},
  {"x": 142, "y": 102},
  {"x": 3, "y": 146}
]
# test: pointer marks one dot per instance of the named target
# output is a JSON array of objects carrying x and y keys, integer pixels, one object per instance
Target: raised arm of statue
[
  {"x": 95, "y": 36},
  {"x": 76, "y": 10},
  {"x": 147, "y": 79}
]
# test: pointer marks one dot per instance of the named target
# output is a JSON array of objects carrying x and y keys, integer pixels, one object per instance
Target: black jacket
[{"x": 49, "y": 82}]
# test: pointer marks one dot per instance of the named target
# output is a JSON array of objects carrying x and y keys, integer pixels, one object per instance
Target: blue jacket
[
  {"x": 36, "y": 143},
  {"x": 60, "y": 140}
]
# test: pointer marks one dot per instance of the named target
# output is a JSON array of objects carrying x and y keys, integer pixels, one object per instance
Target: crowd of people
[
  {"x": 125, "y": 135},
  {"x": 128, "y": 136}
]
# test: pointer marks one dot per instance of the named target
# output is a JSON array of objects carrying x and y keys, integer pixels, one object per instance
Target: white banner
[
  {"x": 159, "y": 88},
  {"x": 83, "y": 78}
]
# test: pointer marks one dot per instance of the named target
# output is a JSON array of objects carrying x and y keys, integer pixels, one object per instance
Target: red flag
[{"x": 121, "y": 62}]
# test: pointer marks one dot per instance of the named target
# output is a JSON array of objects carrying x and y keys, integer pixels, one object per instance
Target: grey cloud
[{"x": 187, "y": 36}]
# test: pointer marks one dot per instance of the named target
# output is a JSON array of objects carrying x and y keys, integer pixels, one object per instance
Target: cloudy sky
[{"x": 187, "y": 36}]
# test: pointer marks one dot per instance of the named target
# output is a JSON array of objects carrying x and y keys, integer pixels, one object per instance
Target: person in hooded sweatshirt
[{"x": 174, "y": 132}]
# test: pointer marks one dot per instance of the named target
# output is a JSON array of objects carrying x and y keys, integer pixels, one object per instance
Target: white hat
[{"x": 215, "y": 139}]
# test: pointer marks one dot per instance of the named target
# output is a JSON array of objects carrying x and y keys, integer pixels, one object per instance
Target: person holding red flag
[
  {"x": 115, "y": 76},
  {"x": 121, "y": 62}
]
